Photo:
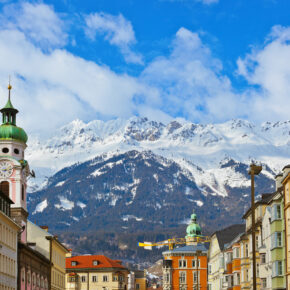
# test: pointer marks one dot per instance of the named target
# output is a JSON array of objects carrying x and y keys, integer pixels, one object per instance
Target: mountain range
[{"x": 135, "y": 175}]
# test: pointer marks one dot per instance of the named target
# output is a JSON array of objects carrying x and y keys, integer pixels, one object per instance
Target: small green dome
[
  {"x": 193, "y": 229},
  {"x": 12, "y": 132}
]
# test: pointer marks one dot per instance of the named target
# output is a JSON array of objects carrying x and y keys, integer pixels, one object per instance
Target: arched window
[{"x": 4, "y": 187}]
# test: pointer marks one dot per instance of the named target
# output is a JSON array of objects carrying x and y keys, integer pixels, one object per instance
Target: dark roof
[
  {"x": 287, "y": 166},
  {"x": 266, "y": 197},
  {"x": 189, "y": 249},
  {"x": 228, "y": 234},
  {"x": 35, "y": 253}
]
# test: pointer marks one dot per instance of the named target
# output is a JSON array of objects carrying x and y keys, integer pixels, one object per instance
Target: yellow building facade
[
  {"x": 8, "y": 246},
  {"x": 49, "y": 246},
  {"x": 95, "y": 272},
  {"x": 285, "y": 180}
]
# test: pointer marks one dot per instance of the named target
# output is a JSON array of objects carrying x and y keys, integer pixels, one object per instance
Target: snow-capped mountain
[{"x": 200, "y": 149}]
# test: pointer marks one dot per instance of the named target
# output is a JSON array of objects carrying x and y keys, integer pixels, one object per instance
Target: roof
[
  {"x": 188, "y": 249},
  {"x": 86, "y": 261},
  {"x": 22, "y": 246},
  {"x": 266, "y": 197},
  {"x": 226, "y": 235}
]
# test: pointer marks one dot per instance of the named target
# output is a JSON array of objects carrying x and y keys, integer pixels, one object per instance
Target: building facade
[
  {"x": 8, "y": 245},
  {"x": 186, "y": 267},
  {"x": 95, "y": 272},
  {"x": 265, "y": 266},
  {"x": 278, "y": 259},
  {"x": 50, "y": 247},
  {"x": 223, "y": 260},
  {"x": 285, "y": 182},
  {"x": 34, "y": 269}
]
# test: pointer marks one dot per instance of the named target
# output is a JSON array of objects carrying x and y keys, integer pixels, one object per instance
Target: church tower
[{"x": 14, "y": 169}]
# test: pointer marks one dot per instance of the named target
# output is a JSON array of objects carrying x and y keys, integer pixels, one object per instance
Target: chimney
[
  {"x": 69, "y": 254},
  {"x": 278, "y": 180},
  {"x": 286, "y": 170},
  {"x": 44, "y": 228},
  {"x": 31, "y": 245}
]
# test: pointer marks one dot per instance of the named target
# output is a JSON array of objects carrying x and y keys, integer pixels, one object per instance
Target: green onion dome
[
  {"x": 193, "y": 229},
  {"x": 12, "y": 132}
]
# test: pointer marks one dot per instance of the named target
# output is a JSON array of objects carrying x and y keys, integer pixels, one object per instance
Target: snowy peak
[{"x": 203, "y": 145}]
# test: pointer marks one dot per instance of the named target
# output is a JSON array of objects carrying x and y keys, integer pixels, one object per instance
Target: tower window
[
  {"x": 4, "y": 187},
  {"x": 5, "y": 150},
  {"x": 22, "y": 192},
  {"x": 16, "y": 151}
]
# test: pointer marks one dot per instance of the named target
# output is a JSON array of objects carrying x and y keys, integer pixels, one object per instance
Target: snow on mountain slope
[{"x": 201, "y": 149}]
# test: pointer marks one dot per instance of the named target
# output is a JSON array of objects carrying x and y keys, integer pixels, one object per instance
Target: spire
[{"x": 9, "y": 112}]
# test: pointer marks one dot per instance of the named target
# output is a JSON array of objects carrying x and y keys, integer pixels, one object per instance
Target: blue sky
[{"x": 201, "y": 60}]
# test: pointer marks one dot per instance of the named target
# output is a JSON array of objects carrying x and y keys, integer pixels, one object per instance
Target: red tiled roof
[{"x": 87, "y": 262}]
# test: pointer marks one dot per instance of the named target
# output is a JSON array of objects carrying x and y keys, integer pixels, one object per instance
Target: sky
[{"x": 204, "y": 61}]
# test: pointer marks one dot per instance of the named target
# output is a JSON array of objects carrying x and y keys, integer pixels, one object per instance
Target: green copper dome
[
  {"x": 12, "y": 132},
  {"x": 8, "y": 129},
  {"x": 193, "y": 229}
]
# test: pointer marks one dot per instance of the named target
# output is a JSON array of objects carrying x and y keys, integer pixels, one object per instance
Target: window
[
  {"x": 5, "y": 150},
  {"x": 263, "y": 258},
  {"x": 247, "y": 251},
  {"x": 238, "y": 279},
  {"x": 182, "y": 277},
  {"x": 182, "y": 263},
  {"x": 4, "y": 187},
  {"x": 276, "y": 240},
  {"x": 121, "y": 278},
  {"x": 236, "y": 253},
  {"x": 264, "y": 282},
  {"x": 16, "y": 151},
  {"x": 105, "y": 278},
  {"x": 194, "y": 264},
  {"x": 222, "y": 262},
  {"x": 195, "y": 277},
  {"x": 247, "y": 275},
  {"x": 277, "y": 269},
  {"x": 166, "y": 278},
  {"x": 83, "y": 279},
  {"x": 94, "y": 279},
  {"x": 137, "y": 286},
  {"x": 257, "y": 242},
  {"x": 28, "y": 277},
  {"x": 229, "y": 257},
  {"x": 276, "y": 212},
  {"x": 95, "y": 263},
  {"x": 209, "y": 269},
  {"x": 22, "y": 192},
  {"x": 115, "y": 278},
  {"x": 73, "y": 263}
]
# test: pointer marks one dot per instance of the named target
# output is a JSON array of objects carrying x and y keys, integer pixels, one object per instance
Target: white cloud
[
  {"x": 191, "y": 81},
  {"x": 268, "y": 69},
  {"x": 58, "y": 87},
  {"x": 117, "y": 30},
  {"x": 39, "y": 22}
]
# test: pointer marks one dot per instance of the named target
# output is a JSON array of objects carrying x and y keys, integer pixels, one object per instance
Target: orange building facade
[{"x": 185, "y": 268}]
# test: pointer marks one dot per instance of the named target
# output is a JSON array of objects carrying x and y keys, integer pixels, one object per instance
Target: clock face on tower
[{"x": 6, "y": 169}]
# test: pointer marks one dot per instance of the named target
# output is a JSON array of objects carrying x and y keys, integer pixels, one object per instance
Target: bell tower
[{"x": 14, "y": 168}]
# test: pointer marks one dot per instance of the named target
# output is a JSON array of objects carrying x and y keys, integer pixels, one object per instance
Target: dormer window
[
  {"x": 74, "y": 263},
  {"x": 95, "y": 263}
]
